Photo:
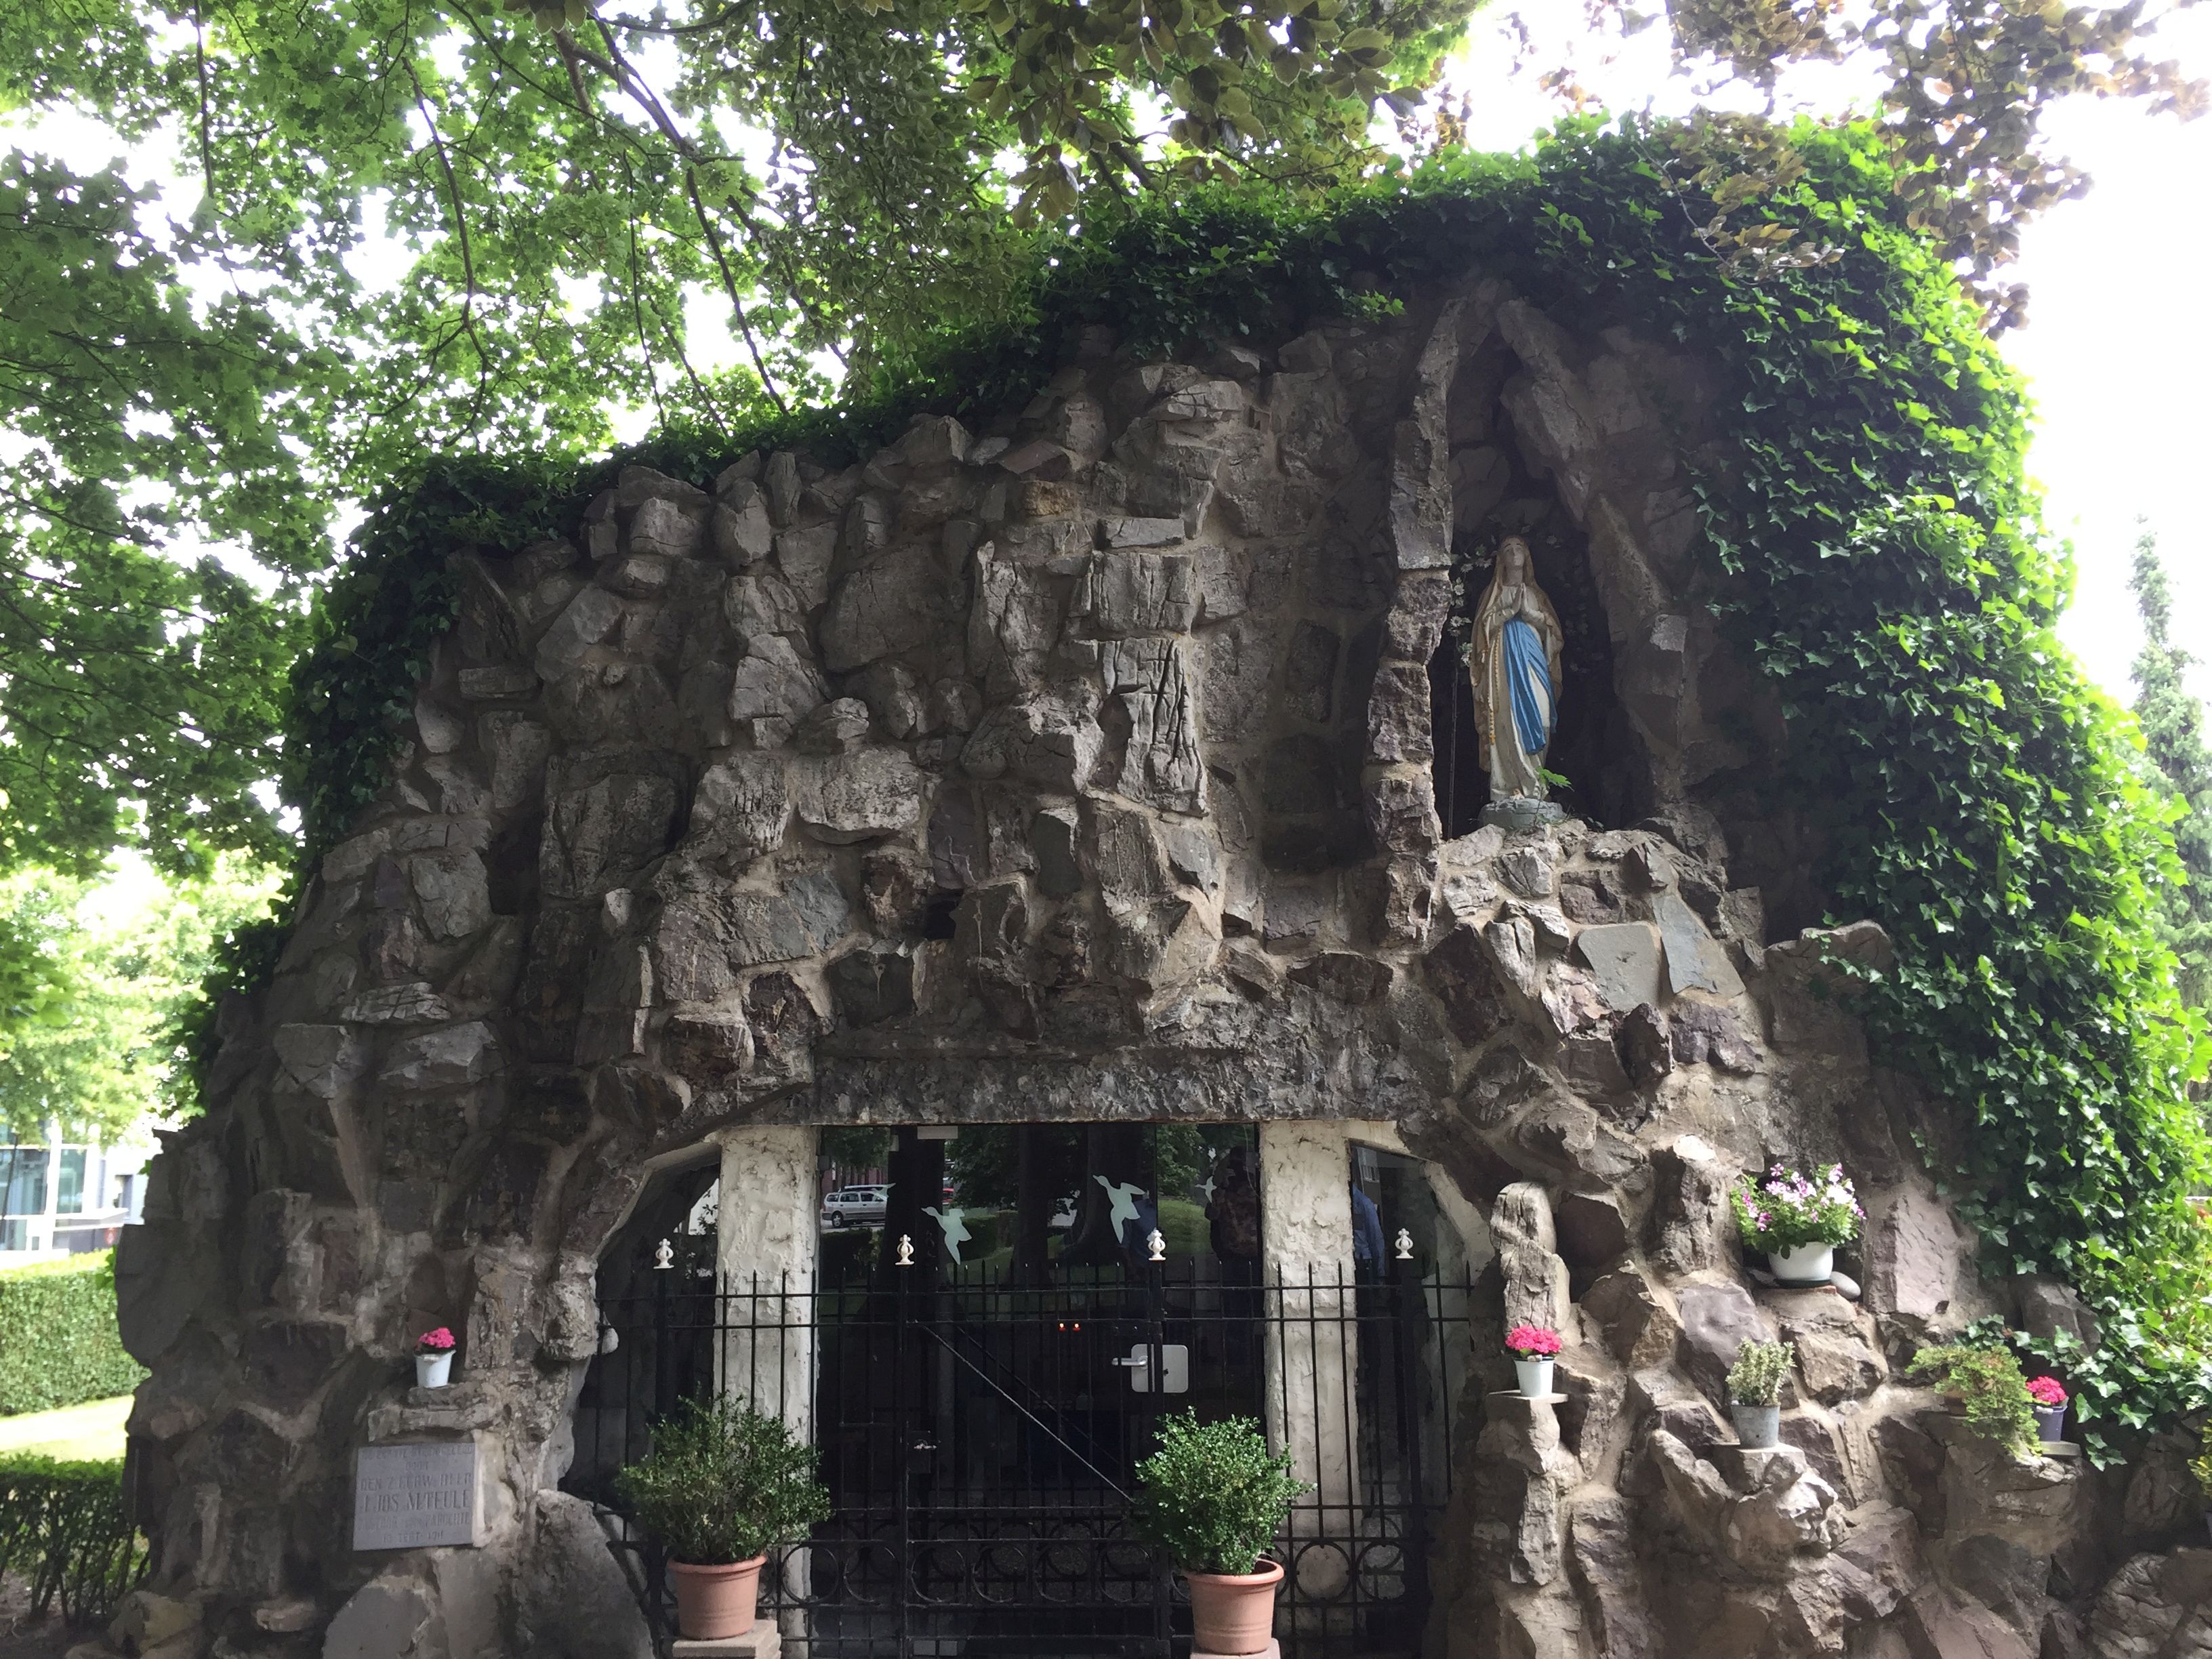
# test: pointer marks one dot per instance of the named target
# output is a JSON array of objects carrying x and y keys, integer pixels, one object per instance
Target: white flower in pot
[
  {"x": 1796, "y": 1221},
  {"x": 722, "y": 1487},
  {"x": 1212, "y": 1497},
  {"x": 1754, "y": 1389},
  {"x": 433, "y": 1359}
]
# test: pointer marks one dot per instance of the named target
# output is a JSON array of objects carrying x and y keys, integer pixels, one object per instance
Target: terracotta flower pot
[
  {"x": 716, "y": 1603},
  {"x": 1233, "y": 1611}
]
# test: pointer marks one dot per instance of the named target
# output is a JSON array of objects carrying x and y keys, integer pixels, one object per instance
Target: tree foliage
[
  {"x": 94, "y": 981},
  {"x": 435, "y": 227},
  {"x": 139, "y": 688},
  {"x": 2173, "y": 725}
]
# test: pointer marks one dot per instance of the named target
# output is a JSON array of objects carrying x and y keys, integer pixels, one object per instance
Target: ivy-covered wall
[{"x": 1874, "y": 539}]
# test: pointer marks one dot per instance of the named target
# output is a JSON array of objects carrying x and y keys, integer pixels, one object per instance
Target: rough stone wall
[{"x": 1080, "y": 767}]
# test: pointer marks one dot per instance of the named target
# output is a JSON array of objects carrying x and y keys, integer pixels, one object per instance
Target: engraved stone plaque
[{"x": 407, "y": 1497}]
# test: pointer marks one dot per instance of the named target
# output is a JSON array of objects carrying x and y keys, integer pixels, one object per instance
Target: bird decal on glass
[
  {"x": 955, "y": 1227},
  {"x": 1125, "y": 1199}
]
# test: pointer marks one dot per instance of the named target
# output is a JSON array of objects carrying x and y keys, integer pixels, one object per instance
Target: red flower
[
  {"x": 2045, "y": 1391},
  {"x": 438, "y": 1341},
  {"x": 1533, "y": 1341}
]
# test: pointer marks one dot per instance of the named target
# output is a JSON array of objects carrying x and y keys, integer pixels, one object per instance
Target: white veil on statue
[{"x": 1515, "y": 667}]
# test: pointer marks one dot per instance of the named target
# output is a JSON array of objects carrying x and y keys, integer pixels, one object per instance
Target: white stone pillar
[
  {"x": 767, "y": 1241},
  {"x": 765, "y": 1250},
  {"x": 1312, "y": 1347}
]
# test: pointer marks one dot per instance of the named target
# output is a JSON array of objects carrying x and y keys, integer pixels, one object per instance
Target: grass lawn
[{"x": 88, "y": 1433}]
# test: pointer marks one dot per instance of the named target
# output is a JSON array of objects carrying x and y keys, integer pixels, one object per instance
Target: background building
[{"x": 61, "y": 1197}]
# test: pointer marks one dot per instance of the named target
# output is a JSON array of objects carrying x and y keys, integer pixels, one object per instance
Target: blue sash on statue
[{"x": 1529, "y": 676}]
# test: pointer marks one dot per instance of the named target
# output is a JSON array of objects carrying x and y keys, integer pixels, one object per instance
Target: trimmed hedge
[
  {"x": 59, "y": 1344},
  {"x": 63, "y": 1528}
]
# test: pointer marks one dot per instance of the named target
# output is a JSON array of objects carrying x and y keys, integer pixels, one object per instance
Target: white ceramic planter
[
  {"x": 434, "y": 1371},
  {"x": 1536, "y": 1376},
  {"x": 1807, "y": 1264}
]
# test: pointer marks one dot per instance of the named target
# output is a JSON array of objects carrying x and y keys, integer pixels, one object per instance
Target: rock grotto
[{"x": 1084, "y": 765}]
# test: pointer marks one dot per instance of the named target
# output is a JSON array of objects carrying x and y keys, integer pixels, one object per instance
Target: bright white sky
[{"x": 2118, "y": 348}]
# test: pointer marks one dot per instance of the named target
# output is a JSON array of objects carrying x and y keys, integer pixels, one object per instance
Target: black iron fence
[{"x": 979, "y": 1436}]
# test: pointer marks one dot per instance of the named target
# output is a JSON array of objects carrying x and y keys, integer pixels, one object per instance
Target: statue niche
[{"x": 1514, "y": 671}]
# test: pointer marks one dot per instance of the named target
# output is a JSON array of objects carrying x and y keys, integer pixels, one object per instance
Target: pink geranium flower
[
  {"x": 2046, "y": 1391},
  {"x": 1533, "y": 1341},
  {"x": 438, "y": 1341}
]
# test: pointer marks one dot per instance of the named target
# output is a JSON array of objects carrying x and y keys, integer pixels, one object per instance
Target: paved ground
[{"x": 89, "y": 1433}]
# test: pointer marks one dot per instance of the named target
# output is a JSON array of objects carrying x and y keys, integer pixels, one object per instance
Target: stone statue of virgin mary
[{"x": 1515, "y": 669}]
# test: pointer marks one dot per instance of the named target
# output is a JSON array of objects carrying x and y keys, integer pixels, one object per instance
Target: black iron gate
[{"x": 979, "y": 1435}]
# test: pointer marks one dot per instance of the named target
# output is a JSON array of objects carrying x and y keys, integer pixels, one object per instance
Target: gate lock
[{"x": 1175, "y": 1360}]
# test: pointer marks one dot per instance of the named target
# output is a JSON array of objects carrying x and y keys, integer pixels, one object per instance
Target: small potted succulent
[
  {"x": 1796, "y": 1221},
  {"x": 1754, "y": 1387},
  {"x": 722, "y": 1487},
  {"x": 1533, "y": 1348},
  {"x": 1985, "y": 1380},
  {"x": 433, "y": 1359},
  {"x": 1212, "y": 1497},
  {"x": 2050, "y": 1397}
]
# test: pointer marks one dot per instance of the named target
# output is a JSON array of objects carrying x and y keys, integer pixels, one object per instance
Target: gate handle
[{"x": 1140, "y": 1360}]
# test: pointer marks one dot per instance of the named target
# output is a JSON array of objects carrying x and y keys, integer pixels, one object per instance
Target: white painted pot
[
  {"x": 1808, "y": 1263},
  {"x": 1536, "y": 1376},
  {"x": 434, "y": 1371}
]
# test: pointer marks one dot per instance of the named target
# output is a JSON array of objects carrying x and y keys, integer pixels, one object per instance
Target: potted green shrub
[
  {"x": 1754, "y": 1386},
  {"x": 1987, "y": 1383},
  {"x": 1212, "y": 1497},
  {"x": 1796, "y": 1221},
  {"x": 722, "y": 1487}
]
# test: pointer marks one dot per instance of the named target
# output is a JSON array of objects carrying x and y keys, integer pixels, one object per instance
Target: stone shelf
[
  {"x": 762, "y": 1641},
  {"x": 455, "y": 1410}
]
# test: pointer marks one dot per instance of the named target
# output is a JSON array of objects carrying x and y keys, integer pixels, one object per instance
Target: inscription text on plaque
[{"x": 410, "y": 1497}]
